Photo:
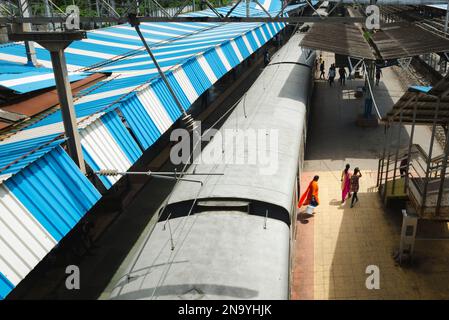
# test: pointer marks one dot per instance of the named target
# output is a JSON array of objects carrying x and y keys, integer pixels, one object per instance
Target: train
[{"x": 231, "y": 235}]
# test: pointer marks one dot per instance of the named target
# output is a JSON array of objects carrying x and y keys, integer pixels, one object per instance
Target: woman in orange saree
[{"x": 310, "y": 196}]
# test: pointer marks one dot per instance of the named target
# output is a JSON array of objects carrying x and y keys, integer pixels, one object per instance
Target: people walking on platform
[
  {"x": 378, "y": 74},
  {"x": 342, "y": 74},
  {"x": 310, "y": 196},
  {"x": 403, "y": 166},
  {"x": 331, "y": 75},
  {"x": 266, "y": 57},
  {"x": 355, "y": 185},
  {"x": 322, "y": 68},
  {"x": 345, "y": 183}
]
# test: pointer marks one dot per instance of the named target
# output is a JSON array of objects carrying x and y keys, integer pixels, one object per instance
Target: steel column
[
  {"x": 443, "y": 174},
  {"x": 446, "y": 22},
  {"x": 429, "y": 156},
  {"x": 380, "y": 170},
  {"x": 389, "y": 134},
  {"x": 26, "y": 27},
  {"x": 409, "y": 154},
  {"x": 67, "y": 110},
  {"x": 397, "y": 153},
  {"x": 187, "y": 119}
]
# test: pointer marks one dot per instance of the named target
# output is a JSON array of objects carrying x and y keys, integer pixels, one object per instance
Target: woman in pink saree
[{"x": 345, "y": 183}]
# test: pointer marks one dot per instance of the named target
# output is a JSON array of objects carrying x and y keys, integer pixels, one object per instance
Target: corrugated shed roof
[
  {"x": 16, "y": 155},
  {"x": 39, "y": 206},
  {"x": 422, "y": 105},
  {"x": 123, "y": 84},
  {"x": 35, "y": 80},
  {"x": 42, "y": 182}
]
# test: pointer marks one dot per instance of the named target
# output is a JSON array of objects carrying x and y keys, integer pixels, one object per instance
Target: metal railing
[{"x": 426, "y": 180}]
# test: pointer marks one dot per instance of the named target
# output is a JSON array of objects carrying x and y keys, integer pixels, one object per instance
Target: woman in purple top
[{"x": 355, "y": 185}]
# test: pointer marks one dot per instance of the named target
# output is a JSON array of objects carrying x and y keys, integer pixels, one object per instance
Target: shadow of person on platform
[{"x": 304, "y": 217}]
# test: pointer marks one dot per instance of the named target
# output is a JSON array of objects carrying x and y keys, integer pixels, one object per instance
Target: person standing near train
[
  {"x": 355, "y": 185},
  {"x": 342, "y": 74},
  {"x": 378, "y": 74},
  {"x": 310, "y": 196},
  {"x": 322, "y": 73}
]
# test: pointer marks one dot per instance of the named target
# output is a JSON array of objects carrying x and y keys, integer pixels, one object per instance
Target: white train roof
[{"x": 274, "y": 105}]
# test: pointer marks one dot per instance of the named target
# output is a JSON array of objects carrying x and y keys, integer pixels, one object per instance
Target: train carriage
[{"x": 231, "y": 236}]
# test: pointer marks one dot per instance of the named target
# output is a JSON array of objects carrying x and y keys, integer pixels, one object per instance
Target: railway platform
[{"x": 336, "y": 245}]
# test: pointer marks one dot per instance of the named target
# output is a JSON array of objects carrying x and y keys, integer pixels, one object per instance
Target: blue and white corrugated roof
[
  {"x": 438, "y": 6},
  {"x": 134, "y": 70},
  {"x": 39, "y": 205},
  {"x": 43, "y": 194},
  {"x": 40, "y": 78},
  {"x": 423, "y": 89}
]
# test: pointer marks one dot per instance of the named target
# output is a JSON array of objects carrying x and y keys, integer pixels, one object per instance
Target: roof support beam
[
  {"x": 409, "y": 153},
  {"x": 446, "y": 22},
  {"x": 232, "y": 9},
  {"x": 303, "y": 19},
  {"x": 56, "y": 42},
  {"x": 387, "y": 150},
  {"x": 26, "y": 27},
  {"x": 67, "y": 109},
  {"x": 187, "y": 119}
]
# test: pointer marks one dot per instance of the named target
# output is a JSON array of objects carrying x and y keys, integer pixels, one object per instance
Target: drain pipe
[{"x": 187, "y": 119}]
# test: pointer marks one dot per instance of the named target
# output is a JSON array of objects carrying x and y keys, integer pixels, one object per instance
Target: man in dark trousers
[
  {"x": 322, "y": 73},
  {"x": 342, "y": 74},
  {"x": 378, "y": 74}
]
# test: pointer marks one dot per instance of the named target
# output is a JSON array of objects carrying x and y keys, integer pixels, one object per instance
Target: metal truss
[{"x": 107, "y": 13}]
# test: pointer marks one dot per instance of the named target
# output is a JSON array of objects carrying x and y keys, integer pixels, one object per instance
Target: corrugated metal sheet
[
  {"x": 146, "y": 116},
  {"x": 204, "y": 72},
  {"x": 5, "y": 286},
  {"x": 201, "y": 71},
  {"x": 54, "y": 191},
  {"x": 11, "y": 153},
  {"x": 121, "y": 136},
  {"x": 109, "y": 145},
  {"x": 152, "y": 111},
  {"x": 32, "y": 81},
  {"x": 11, "y": 67},
  {"x": 185, "y": 84},
  {"x": 39, "y": 206}
]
